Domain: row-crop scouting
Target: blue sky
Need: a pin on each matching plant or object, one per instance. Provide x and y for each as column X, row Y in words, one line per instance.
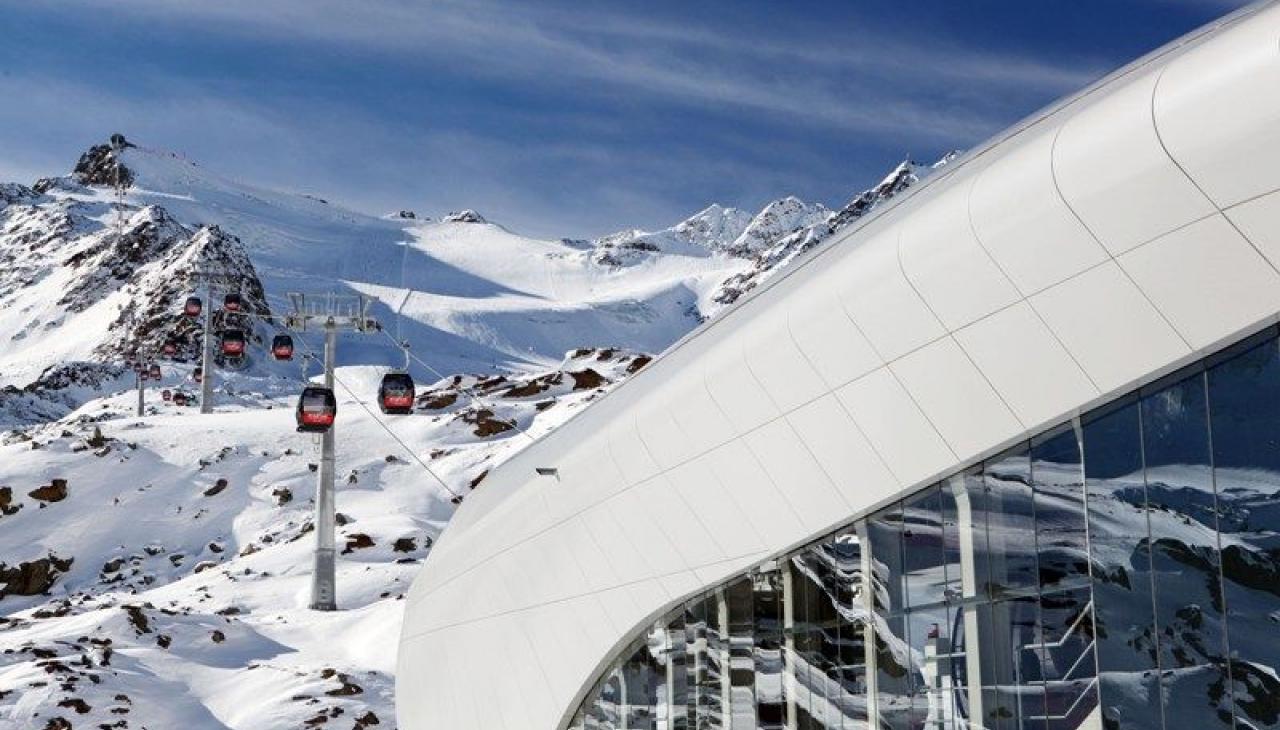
column 553, row 118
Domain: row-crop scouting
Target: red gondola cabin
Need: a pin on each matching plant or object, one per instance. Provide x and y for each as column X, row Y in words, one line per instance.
column 232, row 302
column 193, row 307
column 317, row 408
column 233, row 343
column 396, row 393
column 282, row 347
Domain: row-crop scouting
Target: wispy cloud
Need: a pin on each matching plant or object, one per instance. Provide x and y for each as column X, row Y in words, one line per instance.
column 872, row 83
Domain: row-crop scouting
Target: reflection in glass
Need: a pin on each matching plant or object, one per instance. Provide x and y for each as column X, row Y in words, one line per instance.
column 1061, row 536
column 1129, row 680
column 1118, row 571
column 1244, row 398
column 739, row 598
column 1183, row 514
column 767, row 633
column 1004, row 527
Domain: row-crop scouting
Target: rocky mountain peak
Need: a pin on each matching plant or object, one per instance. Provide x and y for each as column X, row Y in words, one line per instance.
column 776, row 220
column 102, row 165
column 714, row 226
column 464, row 216
column 815, row 226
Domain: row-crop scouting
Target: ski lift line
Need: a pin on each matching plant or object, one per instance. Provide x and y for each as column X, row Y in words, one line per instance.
column 469, row 393
column 393, row 435
column 308, row 355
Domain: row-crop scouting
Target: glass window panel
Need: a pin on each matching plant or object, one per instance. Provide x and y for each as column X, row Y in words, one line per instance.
column 1119, row 546
column 847, row 686
column 1013, row 686
column 1244, row 403
column 740, row 598
column 703, row 644
column 1183, row 516
column 1068, row 665
column 924, row 549
column 643, row 688
column 1061, row 533
column 768, row 653
column 930, row 631
column 678, row 678
column 1007, row 558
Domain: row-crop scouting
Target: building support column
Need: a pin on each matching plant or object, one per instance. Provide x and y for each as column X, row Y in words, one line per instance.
column 868, row 594
column 969, row 589
column 789, row 684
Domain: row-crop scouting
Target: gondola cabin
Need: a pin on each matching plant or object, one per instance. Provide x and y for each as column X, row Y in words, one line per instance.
column 153, row 372
column 179, row 398
column 282, row 347
column 232, row 302
column 198, row 374
column 193, row 307
column 166, row 395
column 396, row 393
column 170, row 348
column 317, row 408
column 233, row 343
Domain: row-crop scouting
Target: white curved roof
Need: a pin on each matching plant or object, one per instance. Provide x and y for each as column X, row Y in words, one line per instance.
column 1117, row 236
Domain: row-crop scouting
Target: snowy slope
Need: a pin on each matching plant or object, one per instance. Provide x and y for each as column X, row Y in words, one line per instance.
column 154, row 570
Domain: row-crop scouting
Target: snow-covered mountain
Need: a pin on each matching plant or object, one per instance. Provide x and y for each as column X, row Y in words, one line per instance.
column 154, row 570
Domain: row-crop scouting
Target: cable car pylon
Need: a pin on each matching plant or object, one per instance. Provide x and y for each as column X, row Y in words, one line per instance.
column 316, row 410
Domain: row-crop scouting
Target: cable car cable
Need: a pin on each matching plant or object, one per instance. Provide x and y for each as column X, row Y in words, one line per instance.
column 393, row 435
column 522, row 431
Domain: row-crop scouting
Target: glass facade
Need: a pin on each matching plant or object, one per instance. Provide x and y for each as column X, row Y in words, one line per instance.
column 1119, row 571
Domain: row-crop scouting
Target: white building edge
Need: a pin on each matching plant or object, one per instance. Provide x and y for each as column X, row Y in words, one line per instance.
column 1112, row 239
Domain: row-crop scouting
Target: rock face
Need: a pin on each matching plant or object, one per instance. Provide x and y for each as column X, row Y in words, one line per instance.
column 464, row 216
column 816, row 227
column 32, row 578
column 101, row 165
column 55, row 491
column 114, row 275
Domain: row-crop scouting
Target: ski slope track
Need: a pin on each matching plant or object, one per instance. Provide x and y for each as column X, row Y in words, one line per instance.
column 155, row 569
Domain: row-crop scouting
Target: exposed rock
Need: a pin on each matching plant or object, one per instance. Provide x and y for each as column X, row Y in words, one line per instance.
column 283, row 495
column 6, row 501
column 485, row 424
column 436, row 402
column 75, row 703
column 138, row 619
column 464, row 216
column 587, row 379
column 404, row 545
column 32, row 578
column 217, row 488
column 638, row 363
column 101, row 165
column 357, row 541
column 55, row 491
column 217, row 636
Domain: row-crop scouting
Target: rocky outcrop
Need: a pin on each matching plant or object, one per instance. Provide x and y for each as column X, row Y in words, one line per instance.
column 464, row 216
column 32, row 578
column 785, row 248
column 55, row 491
column 101, row 165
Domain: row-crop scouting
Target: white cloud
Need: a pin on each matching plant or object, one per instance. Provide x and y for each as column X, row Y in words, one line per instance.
column 870, row 84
